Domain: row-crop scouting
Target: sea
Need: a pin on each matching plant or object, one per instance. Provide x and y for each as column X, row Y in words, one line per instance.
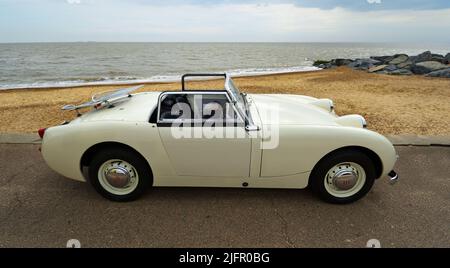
column 43, row 65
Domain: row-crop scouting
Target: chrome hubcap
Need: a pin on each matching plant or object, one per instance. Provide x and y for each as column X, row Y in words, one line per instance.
column 345, row 179
column 118, row 177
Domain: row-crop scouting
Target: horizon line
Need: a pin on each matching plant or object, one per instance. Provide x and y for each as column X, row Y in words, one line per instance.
column 250, row 42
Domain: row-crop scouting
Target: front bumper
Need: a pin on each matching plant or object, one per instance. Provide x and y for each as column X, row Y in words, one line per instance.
column 393, row 177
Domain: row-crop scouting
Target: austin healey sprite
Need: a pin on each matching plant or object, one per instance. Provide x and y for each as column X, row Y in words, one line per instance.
column 125, row 143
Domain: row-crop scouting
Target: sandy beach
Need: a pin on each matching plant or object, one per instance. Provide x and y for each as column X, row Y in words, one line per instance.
column 391, row 104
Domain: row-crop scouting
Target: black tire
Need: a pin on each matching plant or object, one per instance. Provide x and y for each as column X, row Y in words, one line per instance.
column 317, row 178
column 139, row 163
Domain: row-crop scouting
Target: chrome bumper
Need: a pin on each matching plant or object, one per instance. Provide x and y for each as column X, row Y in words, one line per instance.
column 393, row 177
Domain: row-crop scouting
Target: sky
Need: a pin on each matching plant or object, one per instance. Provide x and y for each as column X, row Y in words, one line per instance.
column 225, row 21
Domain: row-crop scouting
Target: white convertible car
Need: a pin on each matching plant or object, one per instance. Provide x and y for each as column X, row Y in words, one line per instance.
column 217, row 138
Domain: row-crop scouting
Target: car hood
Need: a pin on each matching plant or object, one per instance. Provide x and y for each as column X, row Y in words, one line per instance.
column 292, row 110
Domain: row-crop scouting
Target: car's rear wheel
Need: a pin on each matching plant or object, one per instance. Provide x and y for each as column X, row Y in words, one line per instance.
column 119, row 174
column 343, row 177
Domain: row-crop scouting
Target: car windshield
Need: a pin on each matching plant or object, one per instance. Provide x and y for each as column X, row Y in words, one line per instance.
column 239, row 100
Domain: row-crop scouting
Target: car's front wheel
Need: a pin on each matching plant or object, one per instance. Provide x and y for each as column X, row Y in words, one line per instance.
column 343, row 177
column 119, row 174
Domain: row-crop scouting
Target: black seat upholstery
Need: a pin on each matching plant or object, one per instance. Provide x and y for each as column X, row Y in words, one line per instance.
column 168, row 104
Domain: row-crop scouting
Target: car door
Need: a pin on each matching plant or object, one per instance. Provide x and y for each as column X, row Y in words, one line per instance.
column 201, row 140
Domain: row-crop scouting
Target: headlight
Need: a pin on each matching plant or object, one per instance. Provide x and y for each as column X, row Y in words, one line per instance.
column 325, row 104
column 352, row 120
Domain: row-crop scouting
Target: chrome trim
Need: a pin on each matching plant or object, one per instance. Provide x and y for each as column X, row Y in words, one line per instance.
column 118, row 177
column 345, row 180
column 393, row 177
column 252, row 128
column 331, row 106
column 109, row 97
column 243, row 116
column 228, row 81
column 183, row 78
column 364, row 122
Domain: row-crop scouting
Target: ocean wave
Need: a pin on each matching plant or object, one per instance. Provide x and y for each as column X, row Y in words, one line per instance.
column 123, row 80
column 265, row 71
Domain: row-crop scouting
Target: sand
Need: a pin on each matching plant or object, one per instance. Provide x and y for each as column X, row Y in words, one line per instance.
column 391, row 104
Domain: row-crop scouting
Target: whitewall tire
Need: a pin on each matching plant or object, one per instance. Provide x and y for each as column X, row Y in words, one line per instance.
column 119, row 174
column 343, row 177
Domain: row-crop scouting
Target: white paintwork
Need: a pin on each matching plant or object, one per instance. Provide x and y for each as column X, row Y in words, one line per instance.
column 208, row 157
column 136, row 109
column 307, row 132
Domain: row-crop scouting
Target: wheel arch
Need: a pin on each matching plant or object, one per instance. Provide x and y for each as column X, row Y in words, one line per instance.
column 90, row 153
column 376, row 160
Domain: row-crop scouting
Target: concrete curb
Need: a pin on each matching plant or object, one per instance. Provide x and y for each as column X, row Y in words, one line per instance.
column 419, row 140
column 398, row 140
column 19, row 138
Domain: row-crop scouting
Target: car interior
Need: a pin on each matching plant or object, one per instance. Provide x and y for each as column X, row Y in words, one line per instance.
column 190, row 106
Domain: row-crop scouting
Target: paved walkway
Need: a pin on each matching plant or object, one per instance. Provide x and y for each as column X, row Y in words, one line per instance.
column 39, row 208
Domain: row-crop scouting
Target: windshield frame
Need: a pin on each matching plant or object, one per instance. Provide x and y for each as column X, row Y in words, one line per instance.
column 240, row 102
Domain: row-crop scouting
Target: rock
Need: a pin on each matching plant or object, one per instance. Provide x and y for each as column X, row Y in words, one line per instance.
column 363, row 64
column 416, row 69
column 399, row 59
column 405, row 65
column 428, row 56
column 438, row 58
column 341, row 62
column 447, row 58
column 372, row 61
column 425, row 56
column 401, row 72
column 355, row 64
column 317, row 63
column 427, row 67
column 383, row 59
column 440, row 73
column 390, row 68
column 382, row 72
column 378, row 68
column 325, row 66
column 399, row 64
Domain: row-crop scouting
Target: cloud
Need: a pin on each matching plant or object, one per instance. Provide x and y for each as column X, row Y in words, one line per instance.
column 279, row 21
column 74, row 2
column 322, row 4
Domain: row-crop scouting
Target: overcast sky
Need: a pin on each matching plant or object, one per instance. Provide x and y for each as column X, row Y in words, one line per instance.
column 225, row 20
